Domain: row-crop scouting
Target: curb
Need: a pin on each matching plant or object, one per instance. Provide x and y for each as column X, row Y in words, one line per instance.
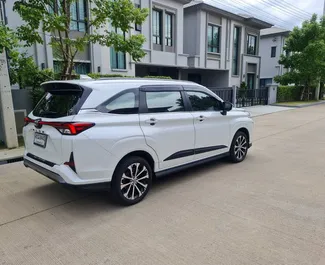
column 299, row 106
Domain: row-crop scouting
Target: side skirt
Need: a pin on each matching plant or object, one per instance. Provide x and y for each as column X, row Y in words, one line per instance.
column 189, row 165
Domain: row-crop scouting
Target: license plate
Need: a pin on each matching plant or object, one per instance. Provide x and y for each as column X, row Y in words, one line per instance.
column 40, row 139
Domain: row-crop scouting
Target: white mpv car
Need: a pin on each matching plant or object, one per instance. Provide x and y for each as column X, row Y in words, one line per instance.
column 124, row 132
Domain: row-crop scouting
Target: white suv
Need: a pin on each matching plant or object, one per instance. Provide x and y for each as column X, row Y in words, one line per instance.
column 124, row 132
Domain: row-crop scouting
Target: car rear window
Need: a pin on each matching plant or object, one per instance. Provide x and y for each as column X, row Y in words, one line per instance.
column 58, row 102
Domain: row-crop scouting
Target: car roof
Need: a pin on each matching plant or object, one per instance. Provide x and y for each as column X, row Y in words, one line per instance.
column 134, row 81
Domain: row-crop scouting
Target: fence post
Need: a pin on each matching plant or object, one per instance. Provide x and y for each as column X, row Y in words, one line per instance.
column 271, row 93
column 234, row 95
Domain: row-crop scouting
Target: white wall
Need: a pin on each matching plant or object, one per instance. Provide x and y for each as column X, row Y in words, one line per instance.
column 270, row 66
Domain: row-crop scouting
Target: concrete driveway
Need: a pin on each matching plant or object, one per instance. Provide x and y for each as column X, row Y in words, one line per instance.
column 267, row 210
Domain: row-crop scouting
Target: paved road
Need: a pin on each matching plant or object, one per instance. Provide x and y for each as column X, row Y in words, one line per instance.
column 267, row 210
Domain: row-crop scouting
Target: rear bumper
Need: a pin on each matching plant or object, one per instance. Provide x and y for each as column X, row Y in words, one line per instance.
column 47, row 173
column 62, row 174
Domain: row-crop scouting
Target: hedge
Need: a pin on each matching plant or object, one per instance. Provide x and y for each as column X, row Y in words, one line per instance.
column 288, row 93
column 97, row 76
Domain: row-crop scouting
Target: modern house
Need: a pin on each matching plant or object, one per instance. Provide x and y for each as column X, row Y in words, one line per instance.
column 222, row 47
column 185, row 39
column 271, row 47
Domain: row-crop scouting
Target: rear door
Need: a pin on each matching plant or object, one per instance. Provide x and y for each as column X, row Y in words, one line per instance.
column 167, row 124
column 61, row 103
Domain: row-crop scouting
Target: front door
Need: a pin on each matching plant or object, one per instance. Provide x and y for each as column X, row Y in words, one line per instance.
column 212, row 129
column 168, row 128
column 251, row 81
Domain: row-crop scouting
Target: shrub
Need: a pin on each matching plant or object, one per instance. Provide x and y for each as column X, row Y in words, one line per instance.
column 288, row 93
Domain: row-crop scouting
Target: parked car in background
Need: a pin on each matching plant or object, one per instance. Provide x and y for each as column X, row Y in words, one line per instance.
column 124, row 132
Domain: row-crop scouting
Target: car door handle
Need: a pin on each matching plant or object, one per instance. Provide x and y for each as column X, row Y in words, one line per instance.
column 201, row 118
column 151, row 121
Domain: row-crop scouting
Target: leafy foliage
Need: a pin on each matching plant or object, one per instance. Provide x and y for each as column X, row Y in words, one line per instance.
column 288, row 93
column 54, row 17
column 305, row 55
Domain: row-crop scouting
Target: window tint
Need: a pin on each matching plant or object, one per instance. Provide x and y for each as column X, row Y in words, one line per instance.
column 203, row 102
column 273, row 52
column 56, row 104
column 124, row 104
column 164, row 101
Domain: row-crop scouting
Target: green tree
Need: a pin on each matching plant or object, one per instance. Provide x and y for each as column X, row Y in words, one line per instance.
column 305, row 56
column 55, row 17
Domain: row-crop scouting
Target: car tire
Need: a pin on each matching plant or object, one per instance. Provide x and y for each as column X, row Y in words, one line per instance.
column 131, row 181
column 239, row 147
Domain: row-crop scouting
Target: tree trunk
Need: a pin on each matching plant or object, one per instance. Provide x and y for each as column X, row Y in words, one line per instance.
column 302, row 93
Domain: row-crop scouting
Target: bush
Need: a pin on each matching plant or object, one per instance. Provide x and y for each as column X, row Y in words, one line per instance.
column 288, row 93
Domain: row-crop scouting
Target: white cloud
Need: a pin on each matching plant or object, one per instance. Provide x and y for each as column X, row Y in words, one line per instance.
column 282, row 13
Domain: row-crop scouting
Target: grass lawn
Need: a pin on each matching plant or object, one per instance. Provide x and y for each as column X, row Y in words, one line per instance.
column 20, row 142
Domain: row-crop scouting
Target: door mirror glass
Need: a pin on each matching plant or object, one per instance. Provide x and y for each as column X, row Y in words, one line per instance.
column 227, row 106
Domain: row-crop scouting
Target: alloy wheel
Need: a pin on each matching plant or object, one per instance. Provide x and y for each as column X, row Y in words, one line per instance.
column 134, row 181
column 241, row 147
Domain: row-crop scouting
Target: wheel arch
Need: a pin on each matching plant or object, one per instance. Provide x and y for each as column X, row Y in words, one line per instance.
column 140, row 153
column 244, row 130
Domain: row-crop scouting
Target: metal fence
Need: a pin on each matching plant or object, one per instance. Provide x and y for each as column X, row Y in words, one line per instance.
column 251, row 97
column 225, row 93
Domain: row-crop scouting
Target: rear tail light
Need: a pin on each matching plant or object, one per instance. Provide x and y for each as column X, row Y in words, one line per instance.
column 28, row 120
column 65, row 128
column 73, row 128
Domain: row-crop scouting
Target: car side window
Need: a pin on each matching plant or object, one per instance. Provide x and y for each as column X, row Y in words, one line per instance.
column 203, row 102
column 124, row 104
column 164, row 101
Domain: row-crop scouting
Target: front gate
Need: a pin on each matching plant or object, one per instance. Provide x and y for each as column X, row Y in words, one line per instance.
column 251, row 97
column 225, row 93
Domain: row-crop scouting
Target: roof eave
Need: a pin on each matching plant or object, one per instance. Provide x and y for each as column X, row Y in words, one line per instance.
column 254, row 22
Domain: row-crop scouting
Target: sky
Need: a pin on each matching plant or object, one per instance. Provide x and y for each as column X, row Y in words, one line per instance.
column 282, row 13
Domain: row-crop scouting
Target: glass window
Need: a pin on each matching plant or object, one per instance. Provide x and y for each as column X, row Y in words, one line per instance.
column 273, row 52
column 124, row 104
column 213, row 38
column 78, row 15
column 251, row 44
column 164, row 101
column 169, row 30
column 137, row 26
column 118, row 59
column 235, row 52
column 156, row 26
column 203, row 102
column 56, row 104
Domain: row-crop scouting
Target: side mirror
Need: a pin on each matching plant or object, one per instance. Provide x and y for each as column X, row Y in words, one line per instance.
column 226, row 106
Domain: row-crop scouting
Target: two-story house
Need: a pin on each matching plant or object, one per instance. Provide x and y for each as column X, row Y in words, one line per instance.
column 271, row 47
column 222, row 47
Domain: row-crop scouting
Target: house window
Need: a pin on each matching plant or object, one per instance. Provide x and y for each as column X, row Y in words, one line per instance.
column 118, row 59
column 251, row 44
column 273, row 52
column 2, row 19
column 80, row 68
column 157, row 26
column 169, row 30
column 213, row 38
column 78, row 15
column 235, row 52
column 138, row 5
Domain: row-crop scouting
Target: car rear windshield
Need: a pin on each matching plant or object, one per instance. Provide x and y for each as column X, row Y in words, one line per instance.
column 59, row 101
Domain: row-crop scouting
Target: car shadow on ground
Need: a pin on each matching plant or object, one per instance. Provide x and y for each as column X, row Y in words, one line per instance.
column 85, row 204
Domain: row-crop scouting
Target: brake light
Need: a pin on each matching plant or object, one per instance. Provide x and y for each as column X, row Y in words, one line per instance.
column 72, row 128
column 28, row 120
